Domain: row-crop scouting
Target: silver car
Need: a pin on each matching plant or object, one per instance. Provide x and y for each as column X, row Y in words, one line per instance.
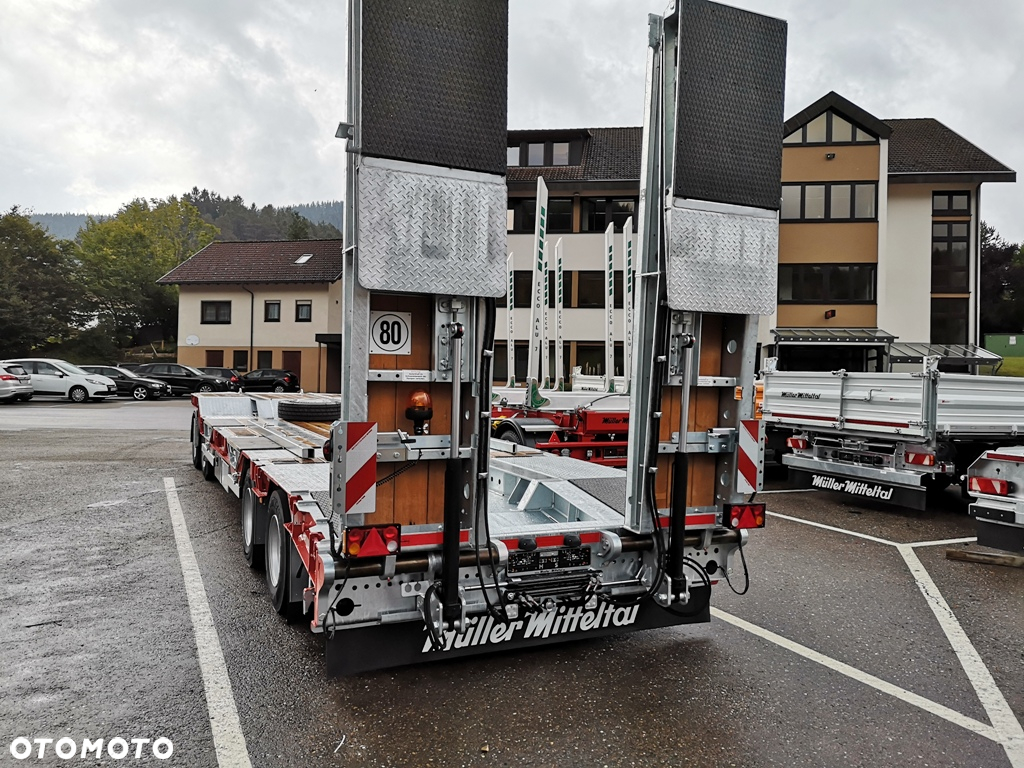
column 15, row 383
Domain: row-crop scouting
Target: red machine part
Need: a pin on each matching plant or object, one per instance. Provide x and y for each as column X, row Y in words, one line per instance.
column 305, row 539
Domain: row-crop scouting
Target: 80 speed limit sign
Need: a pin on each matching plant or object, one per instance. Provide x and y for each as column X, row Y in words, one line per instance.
column 390, row 333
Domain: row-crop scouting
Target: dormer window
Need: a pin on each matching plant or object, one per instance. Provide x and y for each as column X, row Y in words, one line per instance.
column 829, row 128
column 304, row 258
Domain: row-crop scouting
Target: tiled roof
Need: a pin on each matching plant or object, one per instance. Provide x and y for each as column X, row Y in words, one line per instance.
column 260, row 262
column 924, row 145
column 609, row 154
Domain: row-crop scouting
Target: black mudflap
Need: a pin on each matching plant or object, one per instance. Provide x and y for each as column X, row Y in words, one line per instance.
column 1009, row 538
column 363, row 649
column 872, row 490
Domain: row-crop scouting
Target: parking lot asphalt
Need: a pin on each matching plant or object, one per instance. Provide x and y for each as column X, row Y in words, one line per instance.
column 857, row 644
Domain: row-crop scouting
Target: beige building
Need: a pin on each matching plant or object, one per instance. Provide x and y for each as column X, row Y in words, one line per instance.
column 879, row 235
column 263, row 305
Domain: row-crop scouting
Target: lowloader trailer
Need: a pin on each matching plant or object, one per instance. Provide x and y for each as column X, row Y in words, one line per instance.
column 387, row 517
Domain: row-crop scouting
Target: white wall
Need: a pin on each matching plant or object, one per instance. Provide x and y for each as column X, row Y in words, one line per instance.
column 905, row 270
column 287, row 332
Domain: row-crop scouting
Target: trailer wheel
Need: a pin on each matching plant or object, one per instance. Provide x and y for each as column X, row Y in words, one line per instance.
column 251, row 518
column 511, row 432
column 278, row 557
column 300, row 410
column 197, row 444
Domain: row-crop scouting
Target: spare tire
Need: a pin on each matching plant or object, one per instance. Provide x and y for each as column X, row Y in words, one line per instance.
column 308, row 410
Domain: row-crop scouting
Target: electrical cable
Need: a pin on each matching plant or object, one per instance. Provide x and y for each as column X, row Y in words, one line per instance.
column 746, row 573
column 401, row 470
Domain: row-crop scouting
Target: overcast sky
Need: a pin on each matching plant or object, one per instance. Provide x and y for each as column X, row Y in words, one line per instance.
column 102, row 101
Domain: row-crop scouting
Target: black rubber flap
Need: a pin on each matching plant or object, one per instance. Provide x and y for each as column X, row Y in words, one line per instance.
column 731, row 90
column 435, row 82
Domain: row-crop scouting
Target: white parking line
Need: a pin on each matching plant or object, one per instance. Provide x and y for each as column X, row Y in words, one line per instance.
column 228, row 740
column 1006, row 728
column 1011, row 735
column 982, row 729
column 829, row 528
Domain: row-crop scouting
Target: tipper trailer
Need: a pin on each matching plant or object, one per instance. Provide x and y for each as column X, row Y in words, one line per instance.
column 387, row 516
column 893, row 436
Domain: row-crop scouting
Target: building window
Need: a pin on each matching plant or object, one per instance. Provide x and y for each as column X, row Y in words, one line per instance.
column 272, row 311
column 826, row 283
column 513, row 155
column 829, row 128
column 522, row 214
column 560, row 153
column 303, row 311
column 559, row 215
column 535, row 154
column 240, row 360
column 949, row 321
column 597, row 212
column 215, row 312
column 950, row 257
column 951, row 203
column 590, row 290
column 265, row 358
column 839, row 201
column 524, row 288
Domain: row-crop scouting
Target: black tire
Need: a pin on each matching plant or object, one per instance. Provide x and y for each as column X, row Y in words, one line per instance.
column 140, row 392
column 300, row 410
column 251, row 507
column 197, row 444
column 514, row 434
column 78, row 394
column 278, row 558
column 279, row 387
column 205, row 388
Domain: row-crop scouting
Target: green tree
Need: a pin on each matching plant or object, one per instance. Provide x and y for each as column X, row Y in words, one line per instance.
column 1002, row 284
column 298, row 228
column 41, row 300
column 122, row 257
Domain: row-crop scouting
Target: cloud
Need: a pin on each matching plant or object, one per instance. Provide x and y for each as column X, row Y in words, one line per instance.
column 113, row 99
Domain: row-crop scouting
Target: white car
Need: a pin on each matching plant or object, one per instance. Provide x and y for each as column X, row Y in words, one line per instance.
column 59, row 377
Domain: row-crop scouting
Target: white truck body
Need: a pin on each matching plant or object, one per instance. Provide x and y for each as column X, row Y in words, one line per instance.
column 890, row 436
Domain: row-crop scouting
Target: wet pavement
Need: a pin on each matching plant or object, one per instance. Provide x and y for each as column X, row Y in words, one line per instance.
column 834, row 657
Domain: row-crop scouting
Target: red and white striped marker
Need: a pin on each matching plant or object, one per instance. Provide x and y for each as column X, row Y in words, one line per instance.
column 750, row 456
column 359, row 464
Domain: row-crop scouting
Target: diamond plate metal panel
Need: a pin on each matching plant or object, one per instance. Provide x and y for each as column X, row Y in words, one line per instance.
column 722, row 261
column 426, row 233
column 729, row 111
column 435, row 82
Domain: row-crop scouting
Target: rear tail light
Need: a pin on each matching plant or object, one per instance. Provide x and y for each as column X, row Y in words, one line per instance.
column 329, row 449
column 373, row 541
column 800, row 443
column 989, row 485
column 920, row 459
column 741, row 516
column 7, row 377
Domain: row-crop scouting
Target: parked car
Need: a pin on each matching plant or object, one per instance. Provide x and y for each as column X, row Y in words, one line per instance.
column 183, row 379
column 269, row 380
column 15, row 383
column 59, row 377
column 129, row 383
column 129, row 366
column 225, row 373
